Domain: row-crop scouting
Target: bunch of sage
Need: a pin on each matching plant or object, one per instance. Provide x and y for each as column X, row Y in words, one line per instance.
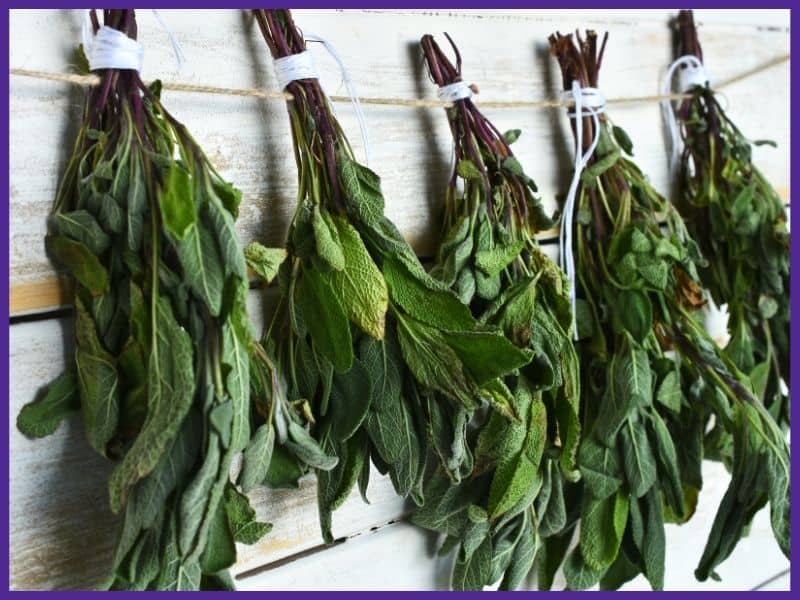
column 367, row 342
column 496, row 504
column 145, row 226
column 652, row 378
column 739, row 222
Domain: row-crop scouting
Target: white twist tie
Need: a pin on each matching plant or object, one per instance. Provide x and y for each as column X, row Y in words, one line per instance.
column 453, row 92
column 691, row 72
column 588, row 102
column 293, row 67
column 301, row 66
column 112, row 49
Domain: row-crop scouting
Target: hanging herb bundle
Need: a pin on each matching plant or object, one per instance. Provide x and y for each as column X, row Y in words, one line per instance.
column 145, row 226
column 380, row 353
column 652, row 378
column 739, row 222
column 511, row 492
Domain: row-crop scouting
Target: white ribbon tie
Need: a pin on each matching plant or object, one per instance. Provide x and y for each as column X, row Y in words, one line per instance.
column 301, row 66
column 691, row 72
column 588, row 102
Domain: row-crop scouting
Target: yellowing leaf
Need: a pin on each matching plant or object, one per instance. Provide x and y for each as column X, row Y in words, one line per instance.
column 360, row 287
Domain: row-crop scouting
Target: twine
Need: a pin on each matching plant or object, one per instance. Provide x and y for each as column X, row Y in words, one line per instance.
column 90, row 80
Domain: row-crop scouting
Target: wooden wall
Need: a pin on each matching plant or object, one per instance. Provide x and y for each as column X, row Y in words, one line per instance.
column 61, row 529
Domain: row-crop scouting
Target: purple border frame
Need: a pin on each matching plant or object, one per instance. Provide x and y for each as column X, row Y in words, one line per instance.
column 430, row 4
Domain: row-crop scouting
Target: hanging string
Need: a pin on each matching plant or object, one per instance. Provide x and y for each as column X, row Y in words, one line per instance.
column 691, row 72
column 588, row 102
column 301, row 66
column 91, row 80
column 177, row 50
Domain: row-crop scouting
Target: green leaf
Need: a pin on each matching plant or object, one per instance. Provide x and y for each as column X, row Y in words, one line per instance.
column 512, row 135
column 578, row 573
column 176, row 574
column 97, row 380
column 257, row 457
column 742, row 204
column 335, row 485
column 600, row 468
column 553, row 515
column 202, row 264
column 359, row 287
column 178, row 210
column 630, row 387
column 635, row 313
column 42, row 416
column 669, row 471
column 199, row 500
column 467, row 169
column 326, row 237
column 493, row 261
column 512, row 165
column 473, row 348
column 433, row 362
column 350, row 401
column 517, row 474
column 224, row 227
column 284, row 470
column 363, row 190
column 654, row 543
column 241, row 518
column 446, row 508
column 229, row 195
column 424, row 298
column 150, row 495
column 669, row 392
column 81, row 226
column 137, row 203
column 638, row 460
column 170, row 390
column 390, row 421
column 601, row 165
column 522, row 559
column 472, row 572
column 454, row 252
column 621, row 137
column 306, row 448
column 82, row 263
column 264, row 261
column 220, row 550
column 619, row 573
column 325, row 318
column 602, row 525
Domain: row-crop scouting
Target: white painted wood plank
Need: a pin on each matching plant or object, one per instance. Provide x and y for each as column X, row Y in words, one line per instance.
column 248, row 139
column 402, row 557
column 396, row 557
column 779, row 583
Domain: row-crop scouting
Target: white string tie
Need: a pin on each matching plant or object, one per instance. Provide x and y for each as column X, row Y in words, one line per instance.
column 301, row 66
column 112, row 49
column 177, row 50
column 691, row 72
column 588, row 102
column 453, row 92
column 295, row 66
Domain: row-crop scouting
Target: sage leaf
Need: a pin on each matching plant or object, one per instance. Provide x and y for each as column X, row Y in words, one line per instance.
column 42, row 416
